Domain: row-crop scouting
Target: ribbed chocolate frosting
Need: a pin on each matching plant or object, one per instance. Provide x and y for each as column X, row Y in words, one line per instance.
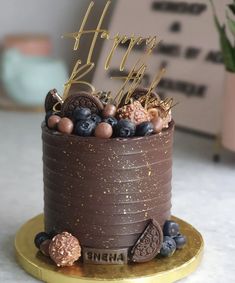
column 104, row 191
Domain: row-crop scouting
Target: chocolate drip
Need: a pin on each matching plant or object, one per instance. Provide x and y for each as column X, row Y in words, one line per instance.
column 105, row 191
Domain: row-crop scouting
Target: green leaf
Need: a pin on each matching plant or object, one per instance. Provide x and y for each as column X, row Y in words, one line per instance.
column 228, row 50
column 216, row 20
column 231, row 24
column 232, row 8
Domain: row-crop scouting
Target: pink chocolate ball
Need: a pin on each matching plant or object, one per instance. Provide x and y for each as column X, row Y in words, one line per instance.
column 103, row 131
column 44, row 247
column 157, row 125
column 109, row 111
column 65, row 126
column 153, row 113
column 53, row 121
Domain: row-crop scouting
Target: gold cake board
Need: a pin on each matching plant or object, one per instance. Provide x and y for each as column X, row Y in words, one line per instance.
column 162, row 270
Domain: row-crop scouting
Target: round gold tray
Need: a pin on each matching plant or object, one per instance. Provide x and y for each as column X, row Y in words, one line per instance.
column 160, row 270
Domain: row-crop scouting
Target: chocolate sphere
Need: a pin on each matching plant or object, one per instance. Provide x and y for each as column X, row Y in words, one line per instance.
column 153, row 113
column 44, row 247
column 53, row 121
column 157, row 125
column 104, row 131
column 65, row 126
column 109, row 110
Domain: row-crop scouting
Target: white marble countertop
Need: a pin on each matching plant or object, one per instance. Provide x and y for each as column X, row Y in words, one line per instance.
column 203, row 195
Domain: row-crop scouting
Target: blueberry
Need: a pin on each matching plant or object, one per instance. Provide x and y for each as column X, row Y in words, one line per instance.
column 170, row 228
column 52, row 234
column 96, row 118
column 40, row 238
column 111, row 121
column 81, row 114
column 85, row 128
column 144, row 129
column 180, row 241
column 125, row 129
column 168, row 247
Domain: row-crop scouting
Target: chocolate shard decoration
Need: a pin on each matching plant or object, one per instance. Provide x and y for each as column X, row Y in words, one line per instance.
column 149, row 243
column 104, row 256
column 82, row 99
column 105, row 97
column 139, row 93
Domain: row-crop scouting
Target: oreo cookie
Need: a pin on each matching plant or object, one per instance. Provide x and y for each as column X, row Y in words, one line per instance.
column 83, row 100
column 51, row 100
column 149, row 243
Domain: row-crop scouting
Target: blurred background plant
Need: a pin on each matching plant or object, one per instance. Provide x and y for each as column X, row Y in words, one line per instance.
column 228, row 49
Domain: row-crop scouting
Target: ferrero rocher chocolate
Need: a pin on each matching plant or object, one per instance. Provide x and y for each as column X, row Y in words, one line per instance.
column 134, row 112
column 64, row 249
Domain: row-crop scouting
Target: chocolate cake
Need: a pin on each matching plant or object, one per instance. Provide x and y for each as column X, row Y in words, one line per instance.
column 104, row 191
column 113, row 194
column 107, row 165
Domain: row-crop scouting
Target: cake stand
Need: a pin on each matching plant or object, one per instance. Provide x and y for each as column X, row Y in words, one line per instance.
column 161, row 270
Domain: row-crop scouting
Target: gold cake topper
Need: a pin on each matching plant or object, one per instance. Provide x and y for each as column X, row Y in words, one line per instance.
column 136, row 74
